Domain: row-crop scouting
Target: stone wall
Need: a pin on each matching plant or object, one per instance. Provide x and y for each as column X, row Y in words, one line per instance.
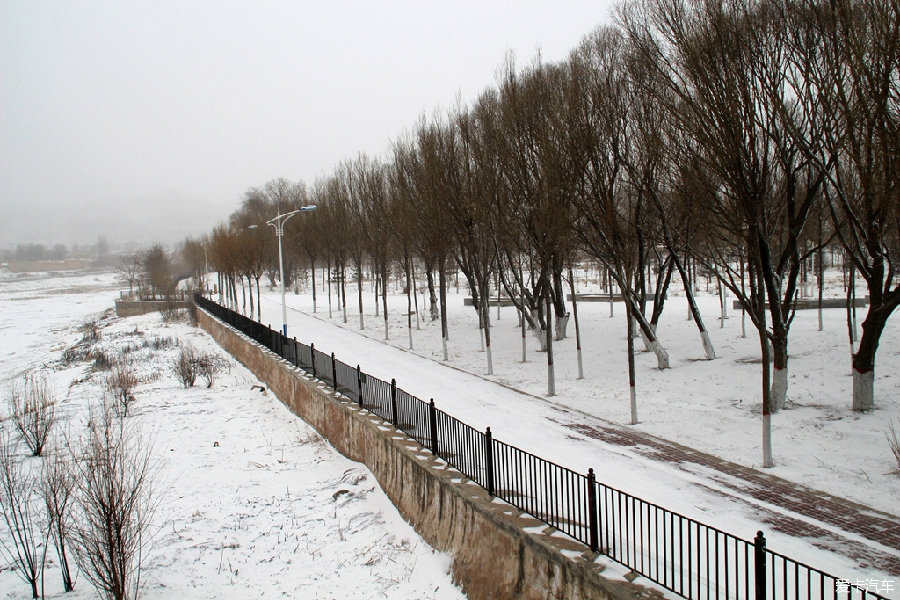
column 494, row 558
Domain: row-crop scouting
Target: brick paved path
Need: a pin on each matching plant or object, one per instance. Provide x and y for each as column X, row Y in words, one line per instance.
column 769, row 493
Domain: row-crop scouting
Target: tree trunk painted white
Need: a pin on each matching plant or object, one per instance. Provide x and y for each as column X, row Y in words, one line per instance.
column 385, row 325
column 410, row 338
column 633, row 394
column 662, row 357
column 743, row 323
column 707, row 346
column 362, row 324
column 524, row 343
column 444, row 345
column 863, row 390
column 541, row 335
column 562, row 324
column 490, row 361
column 481, row 337
column 779, row 387
column 768, row 461
column 644, row 338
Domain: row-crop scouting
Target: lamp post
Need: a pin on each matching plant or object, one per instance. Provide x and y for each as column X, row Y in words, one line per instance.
column 278, row 224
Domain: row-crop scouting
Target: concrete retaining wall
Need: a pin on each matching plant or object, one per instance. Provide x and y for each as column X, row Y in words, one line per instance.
column 133, row 308
column 493, row 556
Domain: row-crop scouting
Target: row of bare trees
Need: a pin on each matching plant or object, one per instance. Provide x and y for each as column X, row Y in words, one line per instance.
column 741, row 136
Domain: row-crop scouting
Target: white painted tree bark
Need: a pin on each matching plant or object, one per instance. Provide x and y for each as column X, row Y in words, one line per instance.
column 768, row 460
column 634, row 414
column 707, row 345
column 662, row 357
column 779, row 387
column 863, row 390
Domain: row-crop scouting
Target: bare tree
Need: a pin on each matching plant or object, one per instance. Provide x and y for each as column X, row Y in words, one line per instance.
column 21, row 514
column 121, row 381
column 58, row 491
column 846, row 56
column 130, row 270
column 117, row 499
column 33, row 410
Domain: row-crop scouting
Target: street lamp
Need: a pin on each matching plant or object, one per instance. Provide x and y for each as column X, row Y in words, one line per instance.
column 278, row 224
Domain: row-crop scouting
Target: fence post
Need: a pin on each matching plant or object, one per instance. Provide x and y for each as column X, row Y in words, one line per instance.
column 489, row 460
column 271, row 337
column 394, row 402
column 432, row 413
column 359, row 396
column 592, row 511
column 759, row 554
column 333, row 373
column 312, row 354
column 296, row 354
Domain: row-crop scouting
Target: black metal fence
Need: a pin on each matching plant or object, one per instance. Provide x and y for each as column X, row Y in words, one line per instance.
column 691, row 559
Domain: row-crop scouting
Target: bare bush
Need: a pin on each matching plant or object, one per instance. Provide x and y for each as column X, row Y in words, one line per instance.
column 208, row 366
column 172, row 312
column 116, row 498
column 58, row 490
column 33, row 410
column 894, row 443
column 185, row 366
column 121, row 381
column 22, row 516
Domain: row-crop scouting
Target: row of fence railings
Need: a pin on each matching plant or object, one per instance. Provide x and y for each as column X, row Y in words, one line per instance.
column 693, row 560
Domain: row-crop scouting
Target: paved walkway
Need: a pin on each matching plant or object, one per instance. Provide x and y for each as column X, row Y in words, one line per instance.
column 825, row 521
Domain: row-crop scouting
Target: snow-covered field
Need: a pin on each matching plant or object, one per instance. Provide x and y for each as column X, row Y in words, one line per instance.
column 254, row 504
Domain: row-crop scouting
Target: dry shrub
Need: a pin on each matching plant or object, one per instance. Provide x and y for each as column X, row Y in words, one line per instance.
column 26, row 523
column 116, row 499
column 121, row 381
column 894, row 444
column 185, row 366
column 33, row 410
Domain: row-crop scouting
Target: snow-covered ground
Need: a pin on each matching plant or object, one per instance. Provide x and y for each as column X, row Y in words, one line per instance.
column 254, row 503
column 713, row 406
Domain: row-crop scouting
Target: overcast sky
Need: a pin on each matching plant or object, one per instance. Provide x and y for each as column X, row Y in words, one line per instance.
column 147, row 121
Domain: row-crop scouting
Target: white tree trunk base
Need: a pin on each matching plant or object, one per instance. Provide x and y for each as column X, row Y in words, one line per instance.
column 863, row 390
column 662, row 357
column 410, row 338
column 551, row 380
column 541, row 336
column 444, row 344
column 490, row 361
column 580, row 365
column 707, row 346
column 768, row 461
column 362, row 325
column 779, row 388
column 562, row 324
column 633, row 395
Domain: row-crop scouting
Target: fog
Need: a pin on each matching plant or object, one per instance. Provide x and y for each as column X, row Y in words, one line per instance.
column 147, row 121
